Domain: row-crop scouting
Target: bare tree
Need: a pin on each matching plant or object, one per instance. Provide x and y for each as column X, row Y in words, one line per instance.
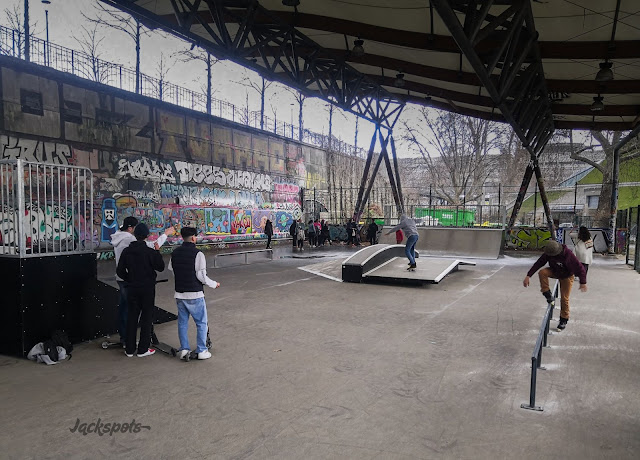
column 607, row 140
column 15, row 19
column 91, row 45
column 199, row 54
column 261, row 87
column 455, row 149
column 300, row 100
column 331, row 110
column 162, row 70
column 119, row 20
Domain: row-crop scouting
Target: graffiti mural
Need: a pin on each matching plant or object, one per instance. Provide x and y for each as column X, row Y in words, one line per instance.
column 109, row 223
column 528, row 238
column 240, row 221
column 45, row 225
column 15, row 148
column 217, row 221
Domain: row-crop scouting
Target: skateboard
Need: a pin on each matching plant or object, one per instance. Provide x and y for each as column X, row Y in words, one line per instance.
column 161, row 346
column 193, row 354
column 109, row 344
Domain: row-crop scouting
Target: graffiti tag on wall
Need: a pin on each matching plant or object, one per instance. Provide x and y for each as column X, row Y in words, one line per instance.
column 528, row 238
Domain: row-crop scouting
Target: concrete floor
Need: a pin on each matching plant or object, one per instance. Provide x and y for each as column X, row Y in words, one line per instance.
column 305, row 367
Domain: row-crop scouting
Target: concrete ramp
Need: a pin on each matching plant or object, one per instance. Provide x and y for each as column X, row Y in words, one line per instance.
column 368, row 258
column 430, row 270
column 468, row 243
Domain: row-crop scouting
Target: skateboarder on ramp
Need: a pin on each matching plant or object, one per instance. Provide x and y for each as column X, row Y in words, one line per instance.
column 408, row 226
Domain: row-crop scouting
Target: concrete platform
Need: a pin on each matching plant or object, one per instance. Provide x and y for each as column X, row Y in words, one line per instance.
column 429, row 270
column 307, row 368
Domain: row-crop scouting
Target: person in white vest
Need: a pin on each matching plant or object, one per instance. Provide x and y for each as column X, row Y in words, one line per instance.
column 584, row 248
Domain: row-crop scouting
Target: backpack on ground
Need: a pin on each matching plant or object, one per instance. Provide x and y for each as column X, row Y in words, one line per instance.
column 61, row 339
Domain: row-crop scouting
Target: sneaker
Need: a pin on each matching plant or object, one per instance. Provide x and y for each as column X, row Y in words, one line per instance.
column 149, row 352
column 412, row 267
column 563, row 323
column 128, row 355
column 183, row 353
column 204, row 354
column 547, row 295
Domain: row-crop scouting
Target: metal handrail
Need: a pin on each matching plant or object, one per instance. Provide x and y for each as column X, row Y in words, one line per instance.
column 536, row 356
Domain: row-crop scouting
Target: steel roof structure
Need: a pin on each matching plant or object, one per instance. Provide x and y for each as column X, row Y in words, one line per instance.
column 536, row 64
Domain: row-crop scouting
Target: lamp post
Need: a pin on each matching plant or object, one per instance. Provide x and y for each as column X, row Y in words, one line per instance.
column 46, row 16
column 27, row 39
column 26, row 31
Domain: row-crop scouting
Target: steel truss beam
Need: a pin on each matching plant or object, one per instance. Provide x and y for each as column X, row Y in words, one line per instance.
column 241, row 29
column 366, row 184
column 518, row 88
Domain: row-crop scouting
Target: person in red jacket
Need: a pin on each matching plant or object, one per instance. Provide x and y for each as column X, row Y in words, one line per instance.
column 563, row 265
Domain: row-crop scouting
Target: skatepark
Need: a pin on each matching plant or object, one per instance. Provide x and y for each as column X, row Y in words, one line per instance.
column 307, row 367
column 490, row 132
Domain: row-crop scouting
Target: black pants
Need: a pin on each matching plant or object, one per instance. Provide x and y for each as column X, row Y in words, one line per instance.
column 268, row 241
column 141, row 303
column 295, row 241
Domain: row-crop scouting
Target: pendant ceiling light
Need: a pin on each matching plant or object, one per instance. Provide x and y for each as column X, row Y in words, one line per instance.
column 358, row 49
column 399, row 81
column 605, row 73
column 597, row 105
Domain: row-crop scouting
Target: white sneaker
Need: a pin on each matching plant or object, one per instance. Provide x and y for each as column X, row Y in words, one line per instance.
column 149, row 352
column 128, row 355
column 204, row 354
column 183, row 353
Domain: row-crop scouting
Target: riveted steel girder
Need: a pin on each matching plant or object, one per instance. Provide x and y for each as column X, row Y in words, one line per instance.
column 512, row 74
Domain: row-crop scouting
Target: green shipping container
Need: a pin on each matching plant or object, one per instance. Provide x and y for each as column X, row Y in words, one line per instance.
column 447, row 217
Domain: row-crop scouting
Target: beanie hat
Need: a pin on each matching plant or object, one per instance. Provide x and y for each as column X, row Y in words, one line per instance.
column 553, row 248
column 141, row 231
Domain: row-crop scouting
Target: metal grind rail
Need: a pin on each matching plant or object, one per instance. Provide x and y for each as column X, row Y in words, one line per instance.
column 536, row 356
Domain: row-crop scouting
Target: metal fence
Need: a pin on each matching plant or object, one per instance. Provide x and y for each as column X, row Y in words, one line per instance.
column 45, row 209
column 633, row 235
column 536, row 356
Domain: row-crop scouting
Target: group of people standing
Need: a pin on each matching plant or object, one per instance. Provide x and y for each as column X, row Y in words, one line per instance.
column 137, row 263
column 316, row 232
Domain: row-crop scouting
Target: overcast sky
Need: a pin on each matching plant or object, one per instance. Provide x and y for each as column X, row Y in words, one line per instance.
column 66, row 20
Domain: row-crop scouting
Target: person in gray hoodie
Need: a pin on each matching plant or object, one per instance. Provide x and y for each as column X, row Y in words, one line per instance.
column 408, row 226
column 121, row 240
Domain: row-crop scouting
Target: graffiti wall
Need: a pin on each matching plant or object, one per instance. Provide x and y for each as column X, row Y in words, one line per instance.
column 537, row 238
column 165, row 166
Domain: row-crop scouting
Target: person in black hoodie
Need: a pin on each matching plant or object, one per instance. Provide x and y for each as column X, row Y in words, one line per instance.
column 137, row 267
column 293, row 231
column 268, row 230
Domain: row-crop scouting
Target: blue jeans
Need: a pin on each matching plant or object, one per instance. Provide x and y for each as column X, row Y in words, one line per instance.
column 123, row 308
column 410, row 248
column 197, row 308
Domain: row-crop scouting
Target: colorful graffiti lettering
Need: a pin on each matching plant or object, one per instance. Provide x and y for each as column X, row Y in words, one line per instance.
column 240, row 221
